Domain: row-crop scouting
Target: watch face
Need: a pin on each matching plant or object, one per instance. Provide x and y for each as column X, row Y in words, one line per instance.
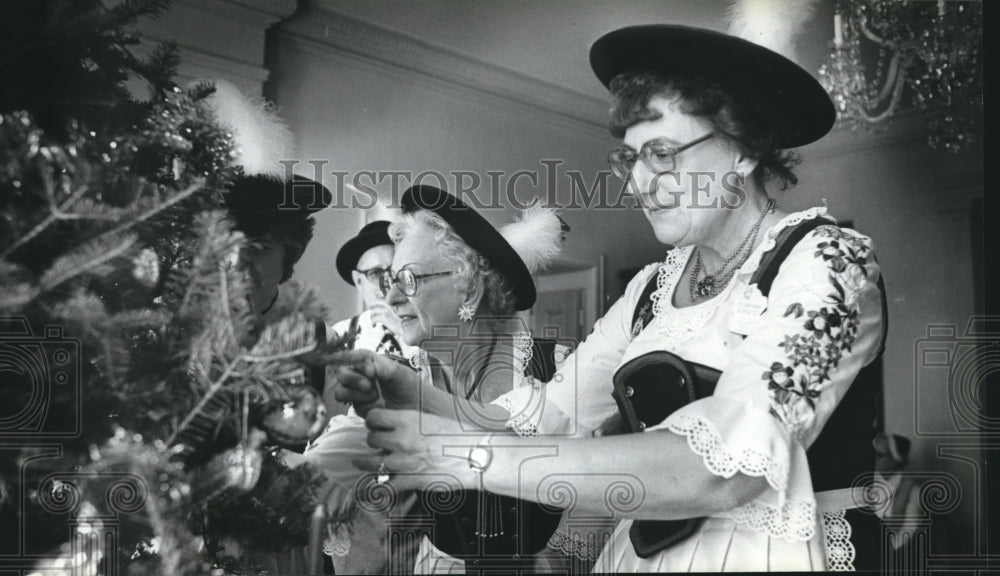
column 479, row 457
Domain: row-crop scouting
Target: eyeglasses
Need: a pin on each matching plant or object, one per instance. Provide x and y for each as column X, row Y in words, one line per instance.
column 655, row 154
column 406, row 280
column 374, row 275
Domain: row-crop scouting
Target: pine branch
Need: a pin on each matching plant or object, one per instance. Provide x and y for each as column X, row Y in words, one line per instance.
column 212, row 238
column 208, row 396
column 284, row 340
column 58, row 212
column 17, row 295
column 132, row 319
column 83, row 308
column 172, row 201
column 85, row 258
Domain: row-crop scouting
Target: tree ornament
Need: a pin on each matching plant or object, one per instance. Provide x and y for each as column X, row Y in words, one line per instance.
column 297, row 420
column 237, row 468
column 146, row 267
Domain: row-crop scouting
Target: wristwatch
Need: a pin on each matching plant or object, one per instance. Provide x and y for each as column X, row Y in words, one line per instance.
column 480, row 456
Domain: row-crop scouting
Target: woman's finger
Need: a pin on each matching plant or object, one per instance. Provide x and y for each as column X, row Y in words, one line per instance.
column 349, row 376
column 396, row 463
column 390, row 440
column 367, row 463
column 386, row 419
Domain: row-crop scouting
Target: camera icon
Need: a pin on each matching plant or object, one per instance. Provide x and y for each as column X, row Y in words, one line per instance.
column 951, row 370
column 488, row 363
column 40, row 395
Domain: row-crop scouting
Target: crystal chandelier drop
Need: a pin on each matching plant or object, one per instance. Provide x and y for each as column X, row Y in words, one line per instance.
column 929, row 50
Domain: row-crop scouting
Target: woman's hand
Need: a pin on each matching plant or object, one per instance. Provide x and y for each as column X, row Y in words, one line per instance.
column 368, row 380
column 420, row 451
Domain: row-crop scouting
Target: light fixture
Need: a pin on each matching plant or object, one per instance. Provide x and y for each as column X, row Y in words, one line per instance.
column 929, row 50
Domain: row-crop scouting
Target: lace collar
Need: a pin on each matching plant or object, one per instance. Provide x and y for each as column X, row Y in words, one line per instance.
column 522, row 346
column 789, row 221
column 680, row 324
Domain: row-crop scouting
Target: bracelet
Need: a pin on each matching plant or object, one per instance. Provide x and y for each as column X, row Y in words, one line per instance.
column 481, row 456
column 489, row 512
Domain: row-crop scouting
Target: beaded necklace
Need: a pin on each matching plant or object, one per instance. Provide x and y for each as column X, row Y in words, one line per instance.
column 712, row 284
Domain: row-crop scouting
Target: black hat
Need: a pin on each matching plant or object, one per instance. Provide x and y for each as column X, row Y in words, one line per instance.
column 789, row 98
column 373, row 234
column 267, row 195
column 257, row 202
column 479, row 234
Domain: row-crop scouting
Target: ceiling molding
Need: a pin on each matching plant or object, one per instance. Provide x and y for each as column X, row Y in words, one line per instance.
column 262, row 13
column 341, row 33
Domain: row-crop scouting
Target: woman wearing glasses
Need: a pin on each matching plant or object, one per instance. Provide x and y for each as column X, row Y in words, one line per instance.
column 456, row 283
column 720, row 409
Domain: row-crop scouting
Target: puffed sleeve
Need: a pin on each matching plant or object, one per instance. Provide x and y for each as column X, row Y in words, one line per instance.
column 822, row 324
column 578, row 397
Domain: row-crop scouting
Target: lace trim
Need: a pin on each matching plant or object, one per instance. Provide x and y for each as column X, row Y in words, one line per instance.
column 794, row 520
column 523, row 345
column 791, row 519
column 837, row 541
column 570, row 546
column 519, row 423
column 338, row 541
column 793, row 219
column 705, row 441
column 523, row 350
column 678, row 325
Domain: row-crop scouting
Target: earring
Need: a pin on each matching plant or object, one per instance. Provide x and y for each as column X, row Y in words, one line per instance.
column 466, row 312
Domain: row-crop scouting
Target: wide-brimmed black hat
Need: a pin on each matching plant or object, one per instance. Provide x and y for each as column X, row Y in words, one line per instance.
column 262, row 194
column 479, row 234
column 787, row 98
column 373, row 234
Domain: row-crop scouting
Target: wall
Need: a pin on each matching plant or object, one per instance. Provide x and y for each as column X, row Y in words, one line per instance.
column 358, row 105
column 915, row 204
column 217, row 38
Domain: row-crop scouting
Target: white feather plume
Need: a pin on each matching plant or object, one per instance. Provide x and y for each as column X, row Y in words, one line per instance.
column 536, row 237
column 260, row 137
column 773, row 24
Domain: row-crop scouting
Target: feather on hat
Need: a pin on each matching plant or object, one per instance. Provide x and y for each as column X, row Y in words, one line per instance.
column 261, row 139
column 536, row 237
column 773, row 24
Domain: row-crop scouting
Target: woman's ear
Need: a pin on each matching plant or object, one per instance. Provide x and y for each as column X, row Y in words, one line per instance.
column 474, row 294
column 744, row 165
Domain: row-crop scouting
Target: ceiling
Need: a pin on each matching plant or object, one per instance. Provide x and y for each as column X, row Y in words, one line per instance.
column 549, row 39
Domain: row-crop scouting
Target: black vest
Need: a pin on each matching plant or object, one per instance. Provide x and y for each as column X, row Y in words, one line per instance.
column 527, row 525
column 657, row 384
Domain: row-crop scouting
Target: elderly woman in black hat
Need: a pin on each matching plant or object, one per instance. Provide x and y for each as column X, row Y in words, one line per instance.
column 456, row 283
column 736, row 368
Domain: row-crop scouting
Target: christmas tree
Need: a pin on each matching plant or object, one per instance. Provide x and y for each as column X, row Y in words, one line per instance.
column 138, row 384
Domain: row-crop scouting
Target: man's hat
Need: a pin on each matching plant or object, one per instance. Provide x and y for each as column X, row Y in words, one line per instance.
column 785, row 96
column 373, row 234
column 530, row 243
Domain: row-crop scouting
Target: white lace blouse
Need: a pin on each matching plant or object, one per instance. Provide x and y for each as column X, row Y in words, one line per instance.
column 784, row 370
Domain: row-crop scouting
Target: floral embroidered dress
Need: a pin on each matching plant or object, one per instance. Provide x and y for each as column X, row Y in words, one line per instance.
column 783, row 374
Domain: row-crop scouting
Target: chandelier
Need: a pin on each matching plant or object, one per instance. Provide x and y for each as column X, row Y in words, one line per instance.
column 929, row 50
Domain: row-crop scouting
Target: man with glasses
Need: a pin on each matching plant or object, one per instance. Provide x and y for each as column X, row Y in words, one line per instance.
column 361, row 548
column 361, row 263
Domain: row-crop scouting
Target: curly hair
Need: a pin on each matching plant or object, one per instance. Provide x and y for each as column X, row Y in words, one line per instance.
column 293, row 232
column 471, row 267
column 746, row 126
